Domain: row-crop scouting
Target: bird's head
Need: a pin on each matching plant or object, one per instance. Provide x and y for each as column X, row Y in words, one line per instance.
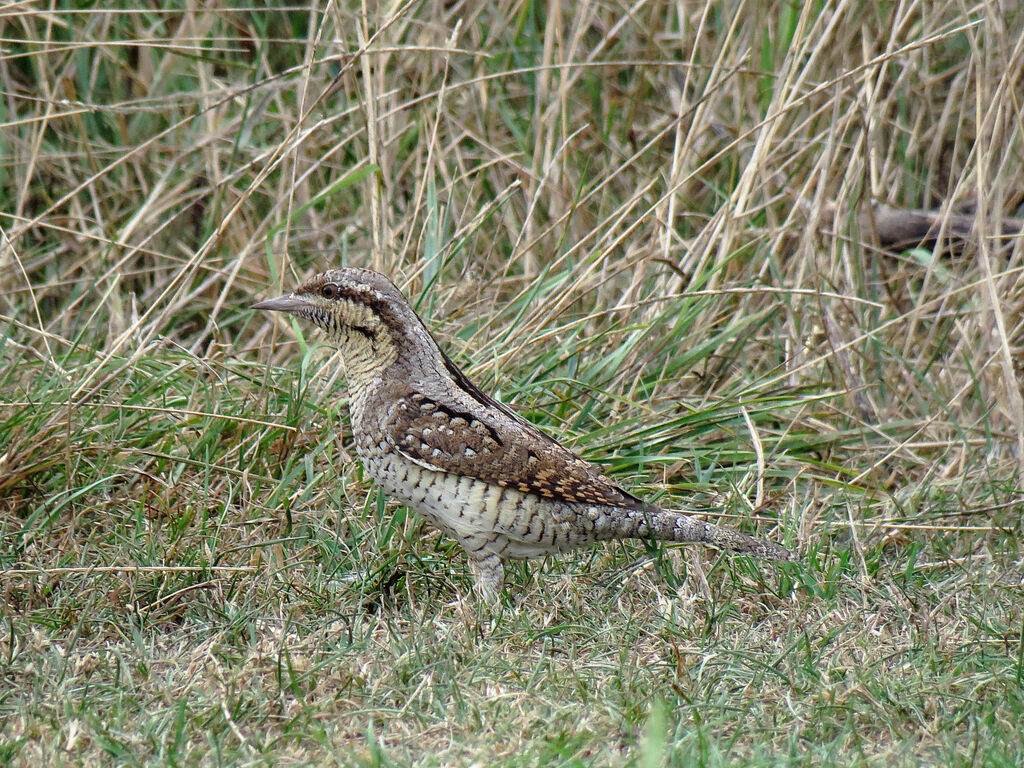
column 363, row 313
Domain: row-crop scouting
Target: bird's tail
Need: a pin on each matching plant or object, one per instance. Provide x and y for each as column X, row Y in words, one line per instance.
column 652, row 522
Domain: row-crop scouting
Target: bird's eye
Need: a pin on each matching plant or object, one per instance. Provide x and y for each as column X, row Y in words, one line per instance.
column 330, row 291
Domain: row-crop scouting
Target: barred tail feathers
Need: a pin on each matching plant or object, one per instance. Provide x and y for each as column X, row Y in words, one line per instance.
column 652, row 522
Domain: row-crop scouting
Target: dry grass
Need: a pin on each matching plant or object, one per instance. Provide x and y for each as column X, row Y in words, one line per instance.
column 649, row 227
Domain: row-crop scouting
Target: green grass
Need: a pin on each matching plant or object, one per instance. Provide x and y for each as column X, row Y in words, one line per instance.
column 645, row 227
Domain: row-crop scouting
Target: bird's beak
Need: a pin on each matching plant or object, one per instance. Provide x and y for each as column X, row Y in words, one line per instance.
column 287, row 303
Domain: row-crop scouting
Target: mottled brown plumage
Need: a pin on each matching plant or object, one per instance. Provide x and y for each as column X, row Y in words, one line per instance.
column 508, row 452
column 469, row 464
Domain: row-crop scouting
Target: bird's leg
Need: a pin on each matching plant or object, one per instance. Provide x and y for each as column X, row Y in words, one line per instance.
column 488, row 575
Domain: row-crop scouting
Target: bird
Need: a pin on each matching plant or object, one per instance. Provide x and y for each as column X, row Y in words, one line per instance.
column 467, row 463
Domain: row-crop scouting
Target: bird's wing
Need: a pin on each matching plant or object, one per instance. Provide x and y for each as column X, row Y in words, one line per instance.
column 494, row 444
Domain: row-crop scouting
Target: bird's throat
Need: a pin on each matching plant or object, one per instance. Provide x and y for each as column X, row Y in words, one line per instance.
column 365, row 356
